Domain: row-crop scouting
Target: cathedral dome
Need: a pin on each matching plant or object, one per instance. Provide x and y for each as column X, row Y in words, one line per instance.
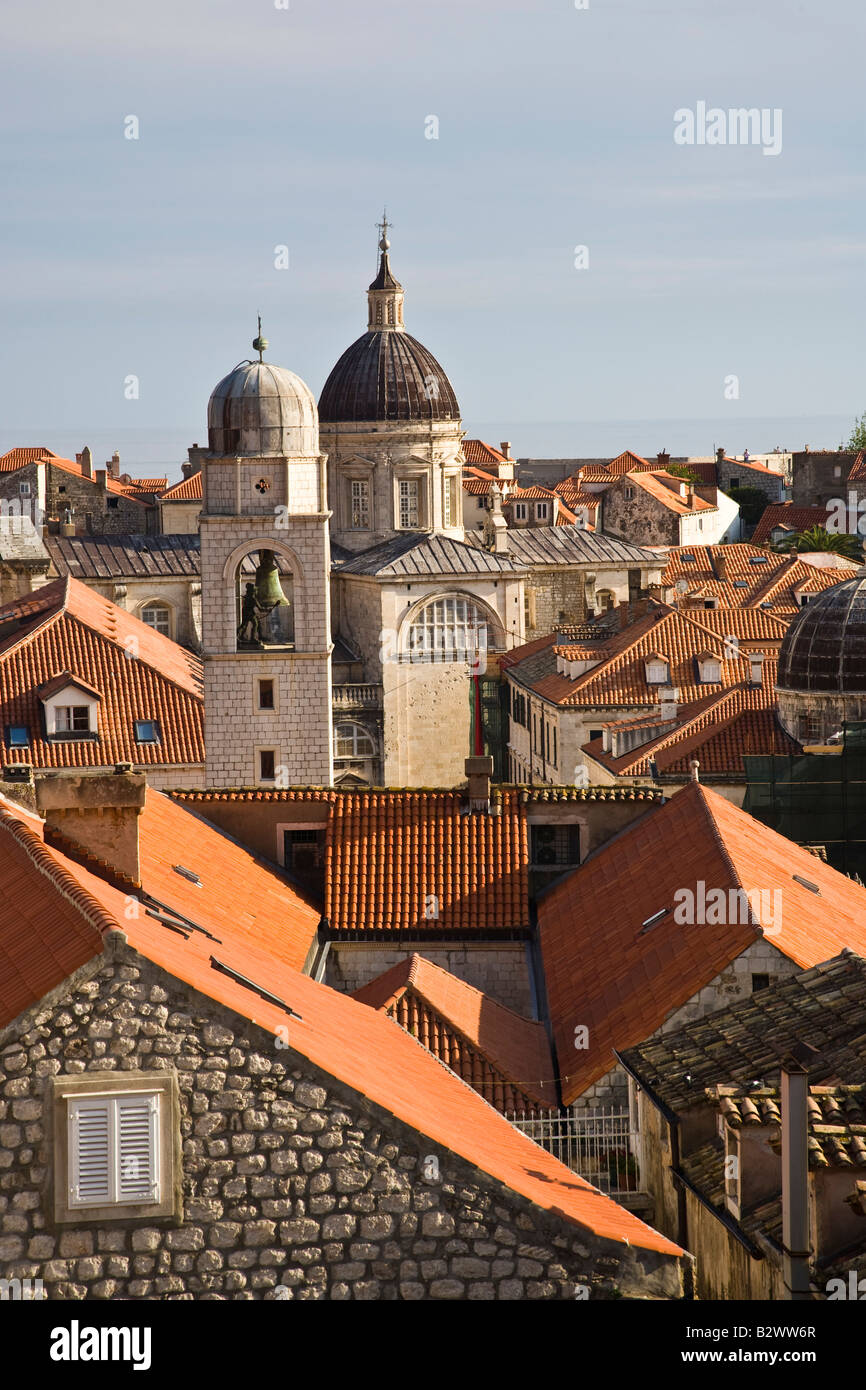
column 260, row 409
column 824, row 649
column 386, row 374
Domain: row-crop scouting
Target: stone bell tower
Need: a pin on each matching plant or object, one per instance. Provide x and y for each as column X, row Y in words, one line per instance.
column 265, row 571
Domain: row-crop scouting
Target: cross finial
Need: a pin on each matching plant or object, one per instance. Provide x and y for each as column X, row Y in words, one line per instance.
column 383, row 226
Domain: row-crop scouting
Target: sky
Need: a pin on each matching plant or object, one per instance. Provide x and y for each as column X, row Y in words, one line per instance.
column 717, row 298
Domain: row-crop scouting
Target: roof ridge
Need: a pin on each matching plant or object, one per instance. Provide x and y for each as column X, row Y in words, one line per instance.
column 43, row 860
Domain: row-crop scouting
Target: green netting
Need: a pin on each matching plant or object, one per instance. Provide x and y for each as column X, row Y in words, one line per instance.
column 816, row 798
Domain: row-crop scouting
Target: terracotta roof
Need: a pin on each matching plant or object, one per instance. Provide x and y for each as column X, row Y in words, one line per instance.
column 595, row 473
column 535, row 491
column 745, row 1042
column 787, row 517
column 505, row 1057
column 187, row 490
column 111, row 484
column 754, row 575
column 67, row 627
column 620, row 678
column 628, row 462
column 654, row 484
column 706, row 472
column 144, row 485
column 395, row 857
column 836, row 1116
column 354, row 1044
column 478, row 485
column 858, row 469
column 19, row 458
column 476, row 451
column 621, row 974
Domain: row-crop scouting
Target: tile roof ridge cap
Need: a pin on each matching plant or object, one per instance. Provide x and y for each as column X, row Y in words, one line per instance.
column 64, row 881
column 703, row 794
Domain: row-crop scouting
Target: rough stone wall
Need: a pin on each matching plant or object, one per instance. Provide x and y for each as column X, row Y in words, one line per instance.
column 499, row 969
column 559, row 597
column 815, row 477
column 772, row 485
column 91, row 512
column 643, row 520
column 291, row 1180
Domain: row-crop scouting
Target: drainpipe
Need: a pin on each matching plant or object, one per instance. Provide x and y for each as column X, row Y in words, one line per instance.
column 795, row 1171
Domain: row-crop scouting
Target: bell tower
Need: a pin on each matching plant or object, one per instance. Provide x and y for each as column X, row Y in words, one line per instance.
column 265, row 570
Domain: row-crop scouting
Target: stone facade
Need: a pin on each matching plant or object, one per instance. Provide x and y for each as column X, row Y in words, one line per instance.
column 293, row 1185
column 822, row 476
column 252, row 504
column 500, row 969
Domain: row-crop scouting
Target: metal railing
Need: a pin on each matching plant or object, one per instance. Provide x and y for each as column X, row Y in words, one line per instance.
column 601, row 1145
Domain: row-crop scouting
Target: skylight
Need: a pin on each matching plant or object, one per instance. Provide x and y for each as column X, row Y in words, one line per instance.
column 187, row 873
column 758, row 560
column 741, row 583
column 687, row 559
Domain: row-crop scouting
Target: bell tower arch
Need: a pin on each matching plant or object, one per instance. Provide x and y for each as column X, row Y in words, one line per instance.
column 265, row 568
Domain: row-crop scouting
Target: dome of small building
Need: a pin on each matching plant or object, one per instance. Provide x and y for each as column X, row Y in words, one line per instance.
column 824, row 649
column 260, row 409
column 386, row 374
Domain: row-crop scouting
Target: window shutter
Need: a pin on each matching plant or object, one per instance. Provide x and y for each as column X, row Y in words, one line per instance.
column 89, row 1152
column 137, row 1149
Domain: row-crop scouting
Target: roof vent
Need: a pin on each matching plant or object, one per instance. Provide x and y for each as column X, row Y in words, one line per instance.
column 806, row 883
column 187, row 873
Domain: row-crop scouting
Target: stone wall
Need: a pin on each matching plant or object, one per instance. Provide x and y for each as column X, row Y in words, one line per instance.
column 96, row 511
column 820, row 476
column 294, row 1185
column 499, row 969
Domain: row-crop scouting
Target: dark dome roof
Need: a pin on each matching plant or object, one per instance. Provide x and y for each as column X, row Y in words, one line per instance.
column 824, row 649
column 387, row 375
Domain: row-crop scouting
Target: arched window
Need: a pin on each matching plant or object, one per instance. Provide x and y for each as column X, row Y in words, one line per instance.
column 157, row 616
column 353, row 741
column 450, row 628
column 605, row 600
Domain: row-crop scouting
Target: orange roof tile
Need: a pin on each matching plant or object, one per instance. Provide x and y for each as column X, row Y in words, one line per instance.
column 19, row 458
column 187, row 490
column 754, row 575
column 396, row 857
column 476, row 451
column 858, row 469
column 628, row 462
column 67, row 627
column 653, row 482
column 608, row 968
column 356, row 1045
column 112, row 485
column 789, row 517
column 516, row 1048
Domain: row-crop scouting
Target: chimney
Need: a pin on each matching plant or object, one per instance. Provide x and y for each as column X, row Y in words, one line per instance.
column 691, row 494
column 101, row 479
column 663, row 458
column 695, row 768
column 495, row 525
column 669, row 696
column 505, row 448
column 720, row 560
column 85, row 458
column 720, row 456
column 795, row 1169
column 479, row 770
column 756, row 668
column 113, row 465
column 96, row 814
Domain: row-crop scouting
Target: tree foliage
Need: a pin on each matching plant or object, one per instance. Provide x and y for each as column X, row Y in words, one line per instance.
column 816, row 538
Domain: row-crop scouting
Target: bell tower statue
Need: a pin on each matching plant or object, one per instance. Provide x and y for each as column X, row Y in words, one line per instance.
column 265, row 570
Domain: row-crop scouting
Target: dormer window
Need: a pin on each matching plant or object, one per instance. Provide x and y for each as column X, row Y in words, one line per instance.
column 70, row 707
column 709, row 668
column 657, row 670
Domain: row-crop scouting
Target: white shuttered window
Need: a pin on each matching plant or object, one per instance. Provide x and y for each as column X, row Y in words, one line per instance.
column 113, row 1149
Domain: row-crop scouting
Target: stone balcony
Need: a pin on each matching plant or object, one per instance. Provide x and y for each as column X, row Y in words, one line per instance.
column 354, row 696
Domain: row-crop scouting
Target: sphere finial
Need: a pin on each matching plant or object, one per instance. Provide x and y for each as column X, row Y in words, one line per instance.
column 260, row 343
column 383, row 226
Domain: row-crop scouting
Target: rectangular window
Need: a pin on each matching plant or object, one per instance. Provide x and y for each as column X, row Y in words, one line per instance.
column 266, row 694
column 72, row 719
column 520, row 510
column 408, row 502
column 360, row 505
column 541, row 511
column 24, row 489
column 113, row 1150
column 146, row 731
column 267, row 764
column 628, row 493
column 449, row 510
column 112, row 502
column 555, row 844
column 760, row 982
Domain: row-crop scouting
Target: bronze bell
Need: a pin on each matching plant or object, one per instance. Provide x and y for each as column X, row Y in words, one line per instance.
column 269, row 591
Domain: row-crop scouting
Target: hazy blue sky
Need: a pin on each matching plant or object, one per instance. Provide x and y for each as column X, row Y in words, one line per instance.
column 261, row 126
